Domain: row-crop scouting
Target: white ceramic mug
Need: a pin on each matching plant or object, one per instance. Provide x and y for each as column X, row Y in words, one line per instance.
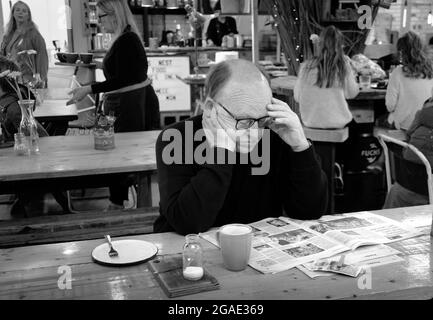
column 235, row 243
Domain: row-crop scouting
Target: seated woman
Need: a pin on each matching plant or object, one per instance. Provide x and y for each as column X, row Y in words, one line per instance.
column 10, row 112
column 10, row 118
column 325, row 82
column 412, row 189
column 409, row 84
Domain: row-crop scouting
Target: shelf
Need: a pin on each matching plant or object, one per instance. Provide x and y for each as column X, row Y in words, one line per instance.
column 165, row 11
column 77, row 65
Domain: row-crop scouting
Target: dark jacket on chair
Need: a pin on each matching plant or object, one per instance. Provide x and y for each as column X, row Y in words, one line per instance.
column 420, row 134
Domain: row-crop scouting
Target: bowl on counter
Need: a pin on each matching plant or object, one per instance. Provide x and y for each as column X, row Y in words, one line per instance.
column 67, row 57
column 86, row 58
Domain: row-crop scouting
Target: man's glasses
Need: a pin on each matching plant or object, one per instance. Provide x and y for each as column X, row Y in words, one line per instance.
column 102, row 16
column 246, row 123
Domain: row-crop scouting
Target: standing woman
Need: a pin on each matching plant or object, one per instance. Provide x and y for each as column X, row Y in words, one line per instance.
column 22, row 34
column 128, row 91
column 325, row 82
column 410, row 84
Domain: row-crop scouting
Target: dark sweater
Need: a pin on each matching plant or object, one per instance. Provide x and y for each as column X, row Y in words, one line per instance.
column 217, row 30
column 197, row 197
column 124, row 64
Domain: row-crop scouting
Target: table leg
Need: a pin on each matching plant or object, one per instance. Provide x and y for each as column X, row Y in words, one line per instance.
column 147, row 193
column 326, row 152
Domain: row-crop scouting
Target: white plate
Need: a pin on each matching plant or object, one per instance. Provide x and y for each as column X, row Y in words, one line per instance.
column 130, row 252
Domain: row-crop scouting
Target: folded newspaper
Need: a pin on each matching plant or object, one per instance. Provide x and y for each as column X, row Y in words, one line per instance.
column 352, row 263
column 281, row 243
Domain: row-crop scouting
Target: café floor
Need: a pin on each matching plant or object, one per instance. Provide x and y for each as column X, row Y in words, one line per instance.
column 92, row 199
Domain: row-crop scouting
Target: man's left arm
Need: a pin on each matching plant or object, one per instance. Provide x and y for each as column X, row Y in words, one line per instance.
column 302, row 182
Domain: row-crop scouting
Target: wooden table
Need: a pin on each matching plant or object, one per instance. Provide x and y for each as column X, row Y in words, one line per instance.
column 32, row 273
column 56, row 110
column 70, row 162
column 285, row 85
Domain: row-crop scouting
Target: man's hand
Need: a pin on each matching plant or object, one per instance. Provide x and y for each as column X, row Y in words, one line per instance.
column 79, row 94
column 287, row 125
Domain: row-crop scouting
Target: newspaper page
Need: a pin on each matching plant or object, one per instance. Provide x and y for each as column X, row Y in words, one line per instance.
column 351, row 263
column 281, row 243
column 361, row 228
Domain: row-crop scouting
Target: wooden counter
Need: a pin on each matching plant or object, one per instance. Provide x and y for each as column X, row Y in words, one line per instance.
column 285, row 85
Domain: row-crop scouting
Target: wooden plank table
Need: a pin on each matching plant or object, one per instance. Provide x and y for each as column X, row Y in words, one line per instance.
column 56, row 110
column 70, row 162
column 285, row 85
column 32, row 273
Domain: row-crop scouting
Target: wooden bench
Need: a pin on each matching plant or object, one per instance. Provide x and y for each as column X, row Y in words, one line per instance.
column 76, row 227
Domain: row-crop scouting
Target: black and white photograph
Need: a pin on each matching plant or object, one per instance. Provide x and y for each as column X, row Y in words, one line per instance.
column 205, row 150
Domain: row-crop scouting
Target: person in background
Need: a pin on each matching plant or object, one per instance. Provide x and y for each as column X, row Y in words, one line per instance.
column 128, row 91
column 420, row 136
column 237, row 109
column 220, row 27
column 325, row 82
column 22, row 35
column 10, row 111
column 409, row 84
column 10, row 118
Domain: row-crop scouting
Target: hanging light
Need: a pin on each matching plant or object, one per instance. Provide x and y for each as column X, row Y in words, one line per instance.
column 405, row 14
column 147, row 3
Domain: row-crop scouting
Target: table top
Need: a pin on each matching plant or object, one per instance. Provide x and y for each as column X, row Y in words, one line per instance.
column 285, row 86
column 74, row 156
column 33, row 273
column 55, row 110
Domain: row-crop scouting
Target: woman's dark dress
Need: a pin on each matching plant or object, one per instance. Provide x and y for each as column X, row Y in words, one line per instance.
column 124, row 65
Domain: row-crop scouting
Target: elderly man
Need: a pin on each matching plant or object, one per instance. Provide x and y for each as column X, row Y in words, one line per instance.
column 239, row 117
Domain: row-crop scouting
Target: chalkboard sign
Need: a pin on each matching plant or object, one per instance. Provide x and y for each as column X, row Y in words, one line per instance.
column 173, row 94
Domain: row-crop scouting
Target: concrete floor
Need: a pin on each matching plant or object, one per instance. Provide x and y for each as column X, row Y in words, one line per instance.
column 92, row 200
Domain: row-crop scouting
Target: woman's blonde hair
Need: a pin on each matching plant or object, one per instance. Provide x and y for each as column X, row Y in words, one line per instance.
column 415, row 62
column 123, row 16
column 330, row 62
column 11, row 27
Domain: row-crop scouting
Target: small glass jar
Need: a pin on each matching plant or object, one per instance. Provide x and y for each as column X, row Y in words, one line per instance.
column 21, row 146
column 192, row 258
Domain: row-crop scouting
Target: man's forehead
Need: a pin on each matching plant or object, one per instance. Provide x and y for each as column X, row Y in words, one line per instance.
column 246, row 99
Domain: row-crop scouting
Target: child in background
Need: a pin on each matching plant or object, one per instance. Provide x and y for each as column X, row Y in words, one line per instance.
column 420, row 135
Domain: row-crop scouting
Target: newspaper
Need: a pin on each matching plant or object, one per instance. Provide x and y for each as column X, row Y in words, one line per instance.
column 281, row 243
column 351, row 263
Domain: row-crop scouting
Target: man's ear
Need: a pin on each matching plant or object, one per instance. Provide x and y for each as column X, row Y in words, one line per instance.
column 207, row 107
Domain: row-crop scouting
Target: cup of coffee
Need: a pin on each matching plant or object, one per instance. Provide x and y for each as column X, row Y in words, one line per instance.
column 235, row 243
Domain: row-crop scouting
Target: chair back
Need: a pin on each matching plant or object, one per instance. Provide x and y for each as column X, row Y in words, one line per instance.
column 407, row 173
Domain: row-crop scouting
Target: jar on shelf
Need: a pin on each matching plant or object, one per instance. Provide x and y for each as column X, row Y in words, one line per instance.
column 192, row 258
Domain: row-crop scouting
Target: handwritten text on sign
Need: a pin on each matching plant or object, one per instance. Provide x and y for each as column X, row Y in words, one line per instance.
column 173, row 94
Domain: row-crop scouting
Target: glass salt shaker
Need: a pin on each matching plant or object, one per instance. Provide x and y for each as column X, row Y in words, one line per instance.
column 192, row 258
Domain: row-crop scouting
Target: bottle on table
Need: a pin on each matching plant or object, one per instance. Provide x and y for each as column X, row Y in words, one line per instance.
column 192, row 258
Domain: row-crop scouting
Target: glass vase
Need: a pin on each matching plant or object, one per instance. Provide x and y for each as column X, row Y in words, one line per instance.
column 28, row 126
